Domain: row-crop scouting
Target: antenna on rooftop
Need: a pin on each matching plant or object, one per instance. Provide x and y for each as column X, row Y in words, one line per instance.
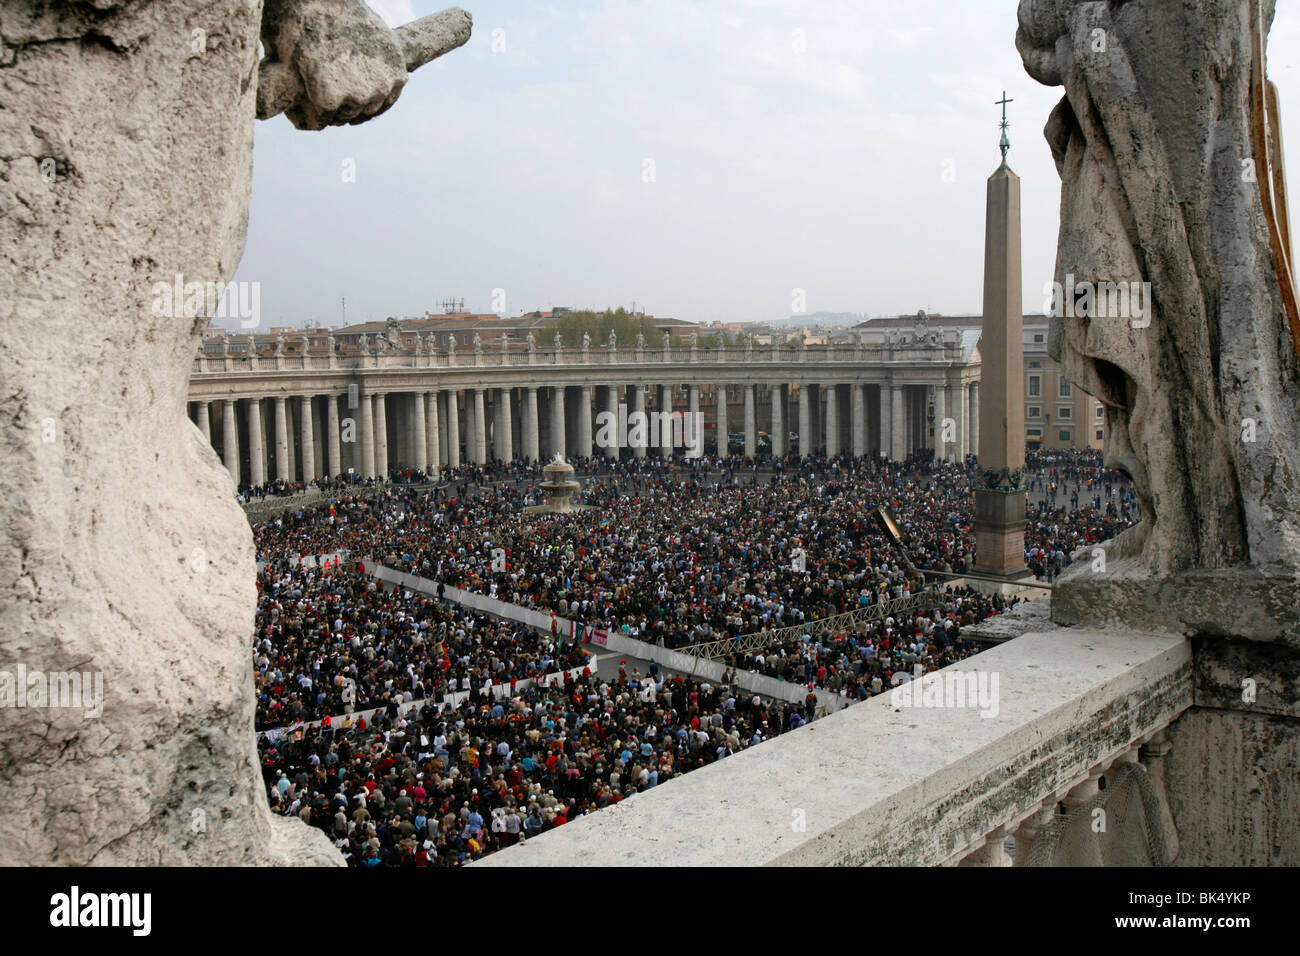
column 452, row 306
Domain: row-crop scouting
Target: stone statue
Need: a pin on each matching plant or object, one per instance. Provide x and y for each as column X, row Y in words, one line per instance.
column 586, row 340
column 279, row 345
column 478, row 344
column 135, row 110
column 1193, row 353
column 695, row 339
column 559, row 342
column 640, row 341
column 531, row 342
column 667, row 341
column 304, row 343
column 613, row 339
column 392, row 332
column 363, row 344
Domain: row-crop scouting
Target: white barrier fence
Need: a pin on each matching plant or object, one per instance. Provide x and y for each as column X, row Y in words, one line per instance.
column 686, row 664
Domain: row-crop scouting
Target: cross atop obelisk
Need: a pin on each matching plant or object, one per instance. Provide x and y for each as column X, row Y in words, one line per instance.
column 1006, row 143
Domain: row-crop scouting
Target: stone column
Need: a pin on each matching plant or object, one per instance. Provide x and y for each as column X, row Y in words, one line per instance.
column 256, row 468
column 941, row 448
column 666, row 408
column 898, row 421
column 885, row 400
column 584, row 421
column 290, row 431
column 506, row 442
column 722, row 421
column 859, row 420
column 638, row 408
column 367, row 438
column 956, row 404
column 421, row 432
column 529, row 428
column 443, row 433
column 308, row 433
column 779, row 432
column 975, row 418
column 832, row 420
column 230, row 439
column 453, row 429
column 433, row 438
column 806, row 441
column 332, row 450
column 693, row 429
column 205, row 421
column 611, row 406
column 381, row 435
column 557, row 421
column 751, row 423
column 479, row 433
column 281, row 442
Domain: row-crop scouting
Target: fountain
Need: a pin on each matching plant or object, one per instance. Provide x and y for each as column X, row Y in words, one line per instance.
column 559, row 487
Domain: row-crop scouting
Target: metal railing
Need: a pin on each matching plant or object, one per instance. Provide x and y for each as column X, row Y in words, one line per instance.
column 756, row 640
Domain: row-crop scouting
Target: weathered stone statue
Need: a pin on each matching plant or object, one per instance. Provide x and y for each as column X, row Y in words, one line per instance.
column 1167, row 179
column 613, row 339
column 640, row 341
column 1176, row 307
column 278, row 351
column 478, row 344
column 124, row 552
column 531, row 342
column 586, row 340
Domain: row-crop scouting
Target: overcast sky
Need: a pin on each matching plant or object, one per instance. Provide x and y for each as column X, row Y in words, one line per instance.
column 839, row 148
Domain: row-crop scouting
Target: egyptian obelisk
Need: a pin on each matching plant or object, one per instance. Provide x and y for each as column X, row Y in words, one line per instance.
column 1000, row 482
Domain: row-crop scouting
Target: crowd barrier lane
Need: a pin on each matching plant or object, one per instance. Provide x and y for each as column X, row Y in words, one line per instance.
column 687, row 664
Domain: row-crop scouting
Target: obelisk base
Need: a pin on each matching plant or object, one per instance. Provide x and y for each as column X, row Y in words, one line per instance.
column 1000, row 541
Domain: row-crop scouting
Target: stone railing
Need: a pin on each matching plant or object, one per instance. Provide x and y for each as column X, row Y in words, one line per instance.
column 1058, row 744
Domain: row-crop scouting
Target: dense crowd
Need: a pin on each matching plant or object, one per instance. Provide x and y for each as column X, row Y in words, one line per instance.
column 448, row 784
column 671, row 552
column 331, row 640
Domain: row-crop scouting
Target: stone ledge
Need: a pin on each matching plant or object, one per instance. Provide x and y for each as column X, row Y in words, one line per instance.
column 913, row 786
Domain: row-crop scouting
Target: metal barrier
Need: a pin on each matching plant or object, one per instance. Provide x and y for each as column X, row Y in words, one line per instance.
column 757, row 640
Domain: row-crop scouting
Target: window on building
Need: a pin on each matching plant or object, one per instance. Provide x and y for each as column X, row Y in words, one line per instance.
column 1035, row 385
column 1100, row 413
column 1038, row 338
column 1064, row 411
column 1065, row 390
column 1035, row 364
column 1064, row 435
column 1098, row 434
column 1035, row 411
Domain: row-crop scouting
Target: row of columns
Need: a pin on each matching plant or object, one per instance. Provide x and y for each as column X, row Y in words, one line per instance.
column 429, row 432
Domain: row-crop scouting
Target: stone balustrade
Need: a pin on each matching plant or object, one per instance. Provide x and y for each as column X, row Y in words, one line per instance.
column 1067, row 719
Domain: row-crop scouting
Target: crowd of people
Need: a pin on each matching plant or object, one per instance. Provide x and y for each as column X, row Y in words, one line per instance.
column 449, row 784
column 674, row 553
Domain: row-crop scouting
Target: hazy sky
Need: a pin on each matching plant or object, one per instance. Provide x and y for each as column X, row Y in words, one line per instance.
column 840, row 148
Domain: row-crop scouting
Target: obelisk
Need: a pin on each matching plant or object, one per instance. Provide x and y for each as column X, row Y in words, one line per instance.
column 1000, row 483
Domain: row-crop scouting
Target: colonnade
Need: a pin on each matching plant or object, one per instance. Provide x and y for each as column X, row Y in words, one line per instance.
column 375, row 432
